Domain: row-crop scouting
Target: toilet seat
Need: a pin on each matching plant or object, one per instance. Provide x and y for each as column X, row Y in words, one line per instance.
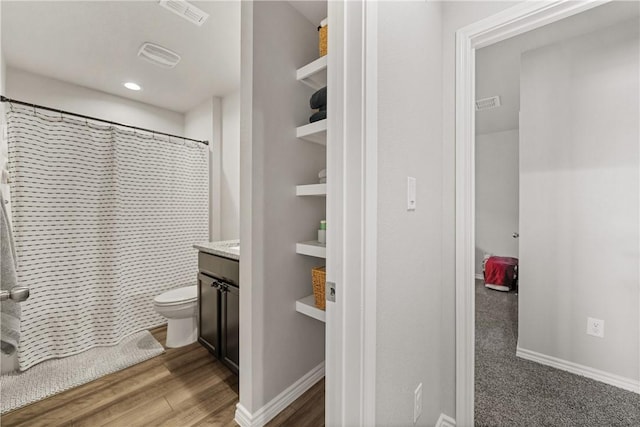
column 177, row 296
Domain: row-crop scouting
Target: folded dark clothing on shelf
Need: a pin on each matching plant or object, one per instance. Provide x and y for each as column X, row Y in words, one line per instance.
column 322, row 108
column 319, row 98
column 320, row 115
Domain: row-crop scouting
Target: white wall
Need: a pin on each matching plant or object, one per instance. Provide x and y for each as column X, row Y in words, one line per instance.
column 410, row 268
column 3, row 65
column 497, row 178
column 3, row 76
column 29, row 87
column 277, row 344
column 218, row 121
column 455, row 16
column 230, row 174
column 580, row 237
column 7, row 363
column 204, row 122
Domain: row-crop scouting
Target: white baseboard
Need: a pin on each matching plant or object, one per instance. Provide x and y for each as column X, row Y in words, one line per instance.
column 445, row 421
column 243, row 417
column 585, row 371
column 265, row 414
column 479, row 276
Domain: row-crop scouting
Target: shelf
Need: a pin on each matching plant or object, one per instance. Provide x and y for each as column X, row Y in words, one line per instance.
column 314, row 74
column 307, row 306
column 312, row 248
column 314, row 132
column 311, row 190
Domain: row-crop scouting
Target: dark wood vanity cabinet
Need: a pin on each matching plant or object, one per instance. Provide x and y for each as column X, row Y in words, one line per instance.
column 230, row 328
column 219, row 307
column 208, row 314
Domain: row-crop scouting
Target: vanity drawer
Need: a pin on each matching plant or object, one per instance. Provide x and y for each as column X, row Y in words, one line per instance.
column 219, row 267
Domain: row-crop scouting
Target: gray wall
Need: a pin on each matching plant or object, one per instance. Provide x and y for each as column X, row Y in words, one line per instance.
column 580, row 242
column 203, row 122
column 497, row 180
column 3, row 65
column 410, row 271
column 455, row 16
column 218, row 120
column 278, row 344
column 230, row 176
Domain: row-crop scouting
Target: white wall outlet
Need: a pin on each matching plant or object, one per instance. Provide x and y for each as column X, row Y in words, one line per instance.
column 417, row 403
column 411, row 193
column 595, row 327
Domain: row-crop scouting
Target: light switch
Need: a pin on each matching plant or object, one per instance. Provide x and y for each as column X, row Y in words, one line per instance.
column 411, row 193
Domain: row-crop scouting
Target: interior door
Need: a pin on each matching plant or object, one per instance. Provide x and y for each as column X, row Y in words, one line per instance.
column 497, row 195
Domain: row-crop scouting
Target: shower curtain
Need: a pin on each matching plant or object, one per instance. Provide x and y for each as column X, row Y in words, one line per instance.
column 104, row 220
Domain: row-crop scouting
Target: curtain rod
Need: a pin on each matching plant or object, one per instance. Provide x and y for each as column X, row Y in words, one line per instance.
column 55, row 110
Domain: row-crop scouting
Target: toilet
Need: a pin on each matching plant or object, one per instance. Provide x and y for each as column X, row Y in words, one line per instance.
column 180, row 306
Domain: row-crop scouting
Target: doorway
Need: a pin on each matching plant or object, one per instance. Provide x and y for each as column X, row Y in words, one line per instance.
column 511, row 23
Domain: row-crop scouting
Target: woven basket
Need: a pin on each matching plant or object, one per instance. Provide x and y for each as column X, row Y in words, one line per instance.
column 322, row 39
column 318, row 279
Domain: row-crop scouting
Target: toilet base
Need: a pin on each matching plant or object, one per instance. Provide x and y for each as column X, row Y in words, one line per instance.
column 181, row 332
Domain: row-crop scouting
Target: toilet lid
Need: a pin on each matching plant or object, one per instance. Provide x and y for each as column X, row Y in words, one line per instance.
column 179, row 295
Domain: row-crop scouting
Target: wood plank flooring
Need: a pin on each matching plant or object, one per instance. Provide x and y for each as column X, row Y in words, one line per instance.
column 181, row 388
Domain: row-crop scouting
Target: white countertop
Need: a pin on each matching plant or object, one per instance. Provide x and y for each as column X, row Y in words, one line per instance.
column 225, row 248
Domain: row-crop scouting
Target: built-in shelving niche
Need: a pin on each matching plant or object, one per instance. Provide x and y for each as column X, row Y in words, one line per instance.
column 313, row 75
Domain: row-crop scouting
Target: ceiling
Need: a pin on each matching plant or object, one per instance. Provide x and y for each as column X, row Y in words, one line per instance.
column 498, row 65
column 95, row 44
column 314, row 11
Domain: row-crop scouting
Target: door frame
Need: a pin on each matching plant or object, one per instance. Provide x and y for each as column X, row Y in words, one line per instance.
column 511, row 22
column 350, row 361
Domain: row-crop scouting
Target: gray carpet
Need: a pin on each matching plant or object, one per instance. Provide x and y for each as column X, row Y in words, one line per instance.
column 57, row 375
column 515, row 392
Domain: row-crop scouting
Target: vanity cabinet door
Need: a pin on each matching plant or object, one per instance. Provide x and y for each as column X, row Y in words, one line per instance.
column 230, row 327
column 209, row 294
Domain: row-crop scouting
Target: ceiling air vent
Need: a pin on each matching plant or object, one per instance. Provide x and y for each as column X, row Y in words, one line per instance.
column 487, row 103
column 185, row 10
column 158, row 55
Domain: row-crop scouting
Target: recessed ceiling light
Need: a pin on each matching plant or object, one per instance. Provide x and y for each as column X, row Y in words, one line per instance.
column 132, row 86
